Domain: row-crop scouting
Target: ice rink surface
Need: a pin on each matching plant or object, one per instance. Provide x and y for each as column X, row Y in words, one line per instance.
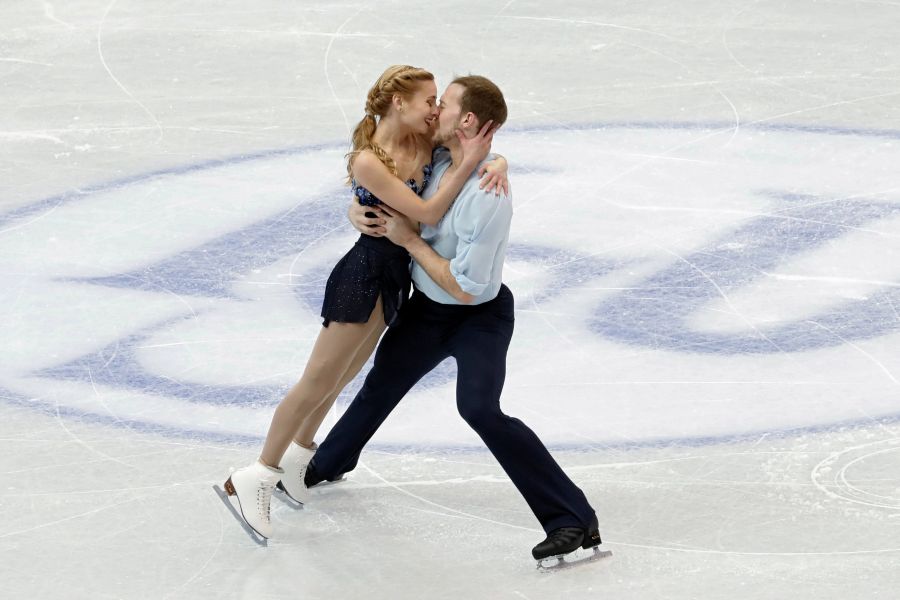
column 705, row 254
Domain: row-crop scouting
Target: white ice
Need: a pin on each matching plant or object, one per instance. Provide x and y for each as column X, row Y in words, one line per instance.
column 705, row 255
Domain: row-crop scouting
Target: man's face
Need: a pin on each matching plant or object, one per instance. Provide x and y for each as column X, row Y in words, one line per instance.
column 449, row 119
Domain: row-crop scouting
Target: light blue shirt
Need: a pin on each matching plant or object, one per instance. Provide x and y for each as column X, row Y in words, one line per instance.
column 473, row 235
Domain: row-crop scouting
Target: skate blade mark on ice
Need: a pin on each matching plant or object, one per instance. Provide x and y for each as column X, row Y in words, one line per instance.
column 255, row 535
column 573, row 559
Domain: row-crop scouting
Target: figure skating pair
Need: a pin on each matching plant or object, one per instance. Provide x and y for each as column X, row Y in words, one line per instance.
column 459, row 308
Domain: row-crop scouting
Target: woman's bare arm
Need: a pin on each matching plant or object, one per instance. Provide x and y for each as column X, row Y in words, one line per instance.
column 372, row 174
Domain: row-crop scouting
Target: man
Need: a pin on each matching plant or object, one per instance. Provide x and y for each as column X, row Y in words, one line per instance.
column 460, row 308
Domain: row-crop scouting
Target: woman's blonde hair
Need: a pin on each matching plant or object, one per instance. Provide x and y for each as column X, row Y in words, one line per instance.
column 398, row 79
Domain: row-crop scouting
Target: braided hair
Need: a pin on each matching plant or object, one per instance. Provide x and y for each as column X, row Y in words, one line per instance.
column 398, row 79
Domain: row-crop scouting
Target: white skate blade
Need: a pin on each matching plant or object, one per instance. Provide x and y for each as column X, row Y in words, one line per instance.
column 282, row 495
column 572, row 559
column 240, row 519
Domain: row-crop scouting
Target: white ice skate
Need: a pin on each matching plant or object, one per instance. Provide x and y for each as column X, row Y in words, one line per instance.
column 294, row 462
column 253, row 487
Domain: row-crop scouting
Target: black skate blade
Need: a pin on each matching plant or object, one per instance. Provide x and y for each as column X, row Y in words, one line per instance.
column 286, row 498
column 250, row 531
column 328, row 482
column 573, row 559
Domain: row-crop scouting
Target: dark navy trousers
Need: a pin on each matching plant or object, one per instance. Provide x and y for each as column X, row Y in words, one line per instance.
column 478, row 338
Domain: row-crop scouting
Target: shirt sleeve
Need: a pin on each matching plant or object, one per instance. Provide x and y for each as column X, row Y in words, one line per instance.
column 482, row 225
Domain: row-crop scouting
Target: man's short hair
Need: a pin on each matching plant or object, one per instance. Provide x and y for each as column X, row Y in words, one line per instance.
column 482, row 97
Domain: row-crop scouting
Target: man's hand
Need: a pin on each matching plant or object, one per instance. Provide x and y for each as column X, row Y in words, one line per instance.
column 398, row 228
column 405, row 233
column 373, row 226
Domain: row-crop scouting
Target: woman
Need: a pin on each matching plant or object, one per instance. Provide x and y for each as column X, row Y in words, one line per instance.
column 368, row 285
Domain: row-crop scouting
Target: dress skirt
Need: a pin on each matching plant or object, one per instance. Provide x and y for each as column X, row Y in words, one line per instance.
column 373, row 266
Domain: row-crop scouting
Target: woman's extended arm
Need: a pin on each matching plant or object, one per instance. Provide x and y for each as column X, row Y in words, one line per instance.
column 372, row 174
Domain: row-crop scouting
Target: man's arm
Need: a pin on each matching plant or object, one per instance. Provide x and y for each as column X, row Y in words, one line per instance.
column 399, row 230
column 437, row 267
column 482, row 227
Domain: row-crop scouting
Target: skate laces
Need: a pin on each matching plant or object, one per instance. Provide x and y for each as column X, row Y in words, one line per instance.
column 264, row 498
column 565, row 535
column 301, row 462
column 301, row 473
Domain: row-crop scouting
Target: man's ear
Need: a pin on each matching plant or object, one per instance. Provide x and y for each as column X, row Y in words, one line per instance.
column 470, row 122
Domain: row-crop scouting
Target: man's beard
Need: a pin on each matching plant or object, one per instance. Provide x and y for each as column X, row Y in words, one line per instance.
column 441, row 139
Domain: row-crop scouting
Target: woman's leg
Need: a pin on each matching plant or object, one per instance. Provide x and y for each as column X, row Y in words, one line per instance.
column 334, row 351
column 307, row 432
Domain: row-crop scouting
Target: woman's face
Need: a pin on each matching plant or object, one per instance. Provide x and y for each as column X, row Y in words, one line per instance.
column 420, row 112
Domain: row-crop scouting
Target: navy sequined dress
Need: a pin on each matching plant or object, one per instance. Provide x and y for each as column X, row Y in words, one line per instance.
column 373, row 266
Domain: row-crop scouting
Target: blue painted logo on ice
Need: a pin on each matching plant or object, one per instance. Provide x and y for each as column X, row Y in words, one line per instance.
column 639, row 253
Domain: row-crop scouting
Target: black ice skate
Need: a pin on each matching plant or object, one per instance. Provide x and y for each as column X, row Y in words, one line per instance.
column 557, row 551
column 312, row 477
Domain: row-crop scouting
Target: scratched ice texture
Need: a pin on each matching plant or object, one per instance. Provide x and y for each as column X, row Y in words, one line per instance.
column 705, row 256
